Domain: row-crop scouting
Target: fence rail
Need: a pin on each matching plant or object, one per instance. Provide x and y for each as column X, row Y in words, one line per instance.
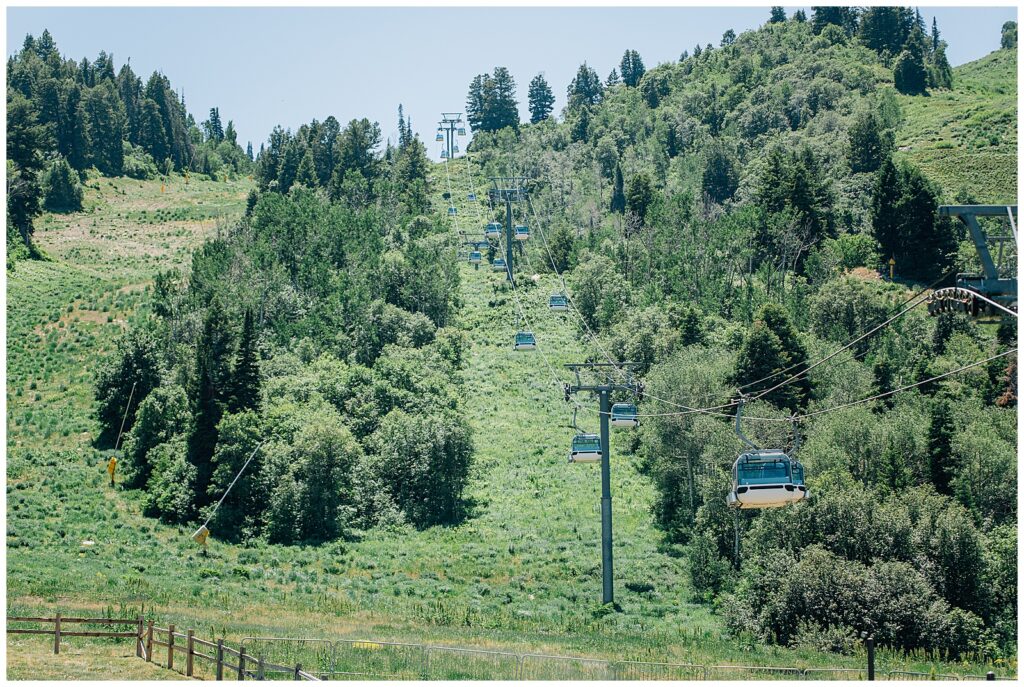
column 263, row 658
column 148, row 635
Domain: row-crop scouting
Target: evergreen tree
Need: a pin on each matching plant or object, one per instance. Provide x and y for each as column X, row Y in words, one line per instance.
column 640, row 195
column 230, row 135
column 870, row 143
column 63, row 190
column 541, row 99
column 25, row 139
column 940, row 73
column 248, row 151
column 773, row 345
column 618, row 203
column 632, row 68
column 721, row 177
column 778, row 15
column 475, row 102
column 844, row 17
column 886, row 29
column 800, row 16
column 613, row 78
column 585, row 89
column 209, row 392
column 105, row 129
column 909, row 73
column 906, row 224
column 73, row 139
column 935, row 34
column 728, row 38
column 503, row 110
column 212, row 127
column 306, row 173
column 245, row 377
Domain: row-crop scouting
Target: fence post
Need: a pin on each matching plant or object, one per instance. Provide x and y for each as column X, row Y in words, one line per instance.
column 990, row 675
column 138, row 637
column 149, row 641
column 870, row 642
column 241, row 663
column 170, row 646
column 259, row 668
column 56, row 634
column 298, row 669
column 220, row 659
column 189, row 659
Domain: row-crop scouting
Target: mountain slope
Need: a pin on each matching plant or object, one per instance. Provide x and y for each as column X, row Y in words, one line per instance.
column 966, row 138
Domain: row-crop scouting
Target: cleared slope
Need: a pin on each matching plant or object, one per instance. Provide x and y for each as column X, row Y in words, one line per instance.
column 966, row 138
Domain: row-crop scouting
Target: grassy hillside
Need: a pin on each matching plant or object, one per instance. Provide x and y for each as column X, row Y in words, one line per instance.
column 966, row 138
column 521, row 573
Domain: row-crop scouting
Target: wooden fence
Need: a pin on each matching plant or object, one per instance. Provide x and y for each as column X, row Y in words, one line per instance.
column 162, row 645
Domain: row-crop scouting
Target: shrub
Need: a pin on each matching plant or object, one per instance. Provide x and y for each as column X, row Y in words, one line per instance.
column 172, row 485
column 138, row 164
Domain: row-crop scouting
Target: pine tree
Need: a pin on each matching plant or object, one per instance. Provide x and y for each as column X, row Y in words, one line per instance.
column 778, row 15
column 25, row 138
column 230, row 135
column 475, row 106
column 632, row 68
column 213, row 129
column 209, row 391
column 105, row 129
column 940, row 73
column 640, row 195
column 721, row 177
column 800, row 16
column 63, row 190
column 504, row 109
column 941, row 431
column 245, row 377
column 728, row 38
column 909, row 73
column 306, row 173
column 248, row 151
column 618, row 203
column 886, row 29
column 870, row 143
column 541, row 99
column 843, row 17
column 935, row 34
column 773, row 345
column 613, row 78
column 585, row 89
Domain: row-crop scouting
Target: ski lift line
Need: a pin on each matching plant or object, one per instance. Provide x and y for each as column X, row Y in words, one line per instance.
column 805, row 416
column 914, row 296
column 127, row 407
column 455, row 217
column 1013, row 224
column 863, row 336
column 228, row 490
column 596, row 340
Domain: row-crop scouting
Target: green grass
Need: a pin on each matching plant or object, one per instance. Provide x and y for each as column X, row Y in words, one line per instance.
column 521, row 574
column 966, row 138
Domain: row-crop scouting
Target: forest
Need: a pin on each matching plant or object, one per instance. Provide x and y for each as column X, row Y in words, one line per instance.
column 726, row 221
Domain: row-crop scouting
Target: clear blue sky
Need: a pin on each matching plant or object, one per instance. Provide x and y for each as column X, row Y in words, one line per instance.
column 265, row 66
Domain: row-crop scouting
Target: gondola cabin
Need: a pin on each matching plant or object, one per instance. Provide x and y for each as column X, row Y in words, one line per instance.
column 462, row 131
column 525, row 341
column 471, row 196
column 452, row 210
column 766, row 479
column 586, row 448
column 455, row 148
column 558, row 302
column 444, row 153
column 440, row 137
column 476, row 257
column 498, row 265
column 493, row 230
column 522, row 232
column 624, row 415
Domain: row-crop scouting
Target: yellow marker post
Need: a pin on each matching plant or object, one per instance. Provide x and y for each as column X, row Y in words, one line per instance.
column 162, row 188
column 892, row 268
column 112, row 468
